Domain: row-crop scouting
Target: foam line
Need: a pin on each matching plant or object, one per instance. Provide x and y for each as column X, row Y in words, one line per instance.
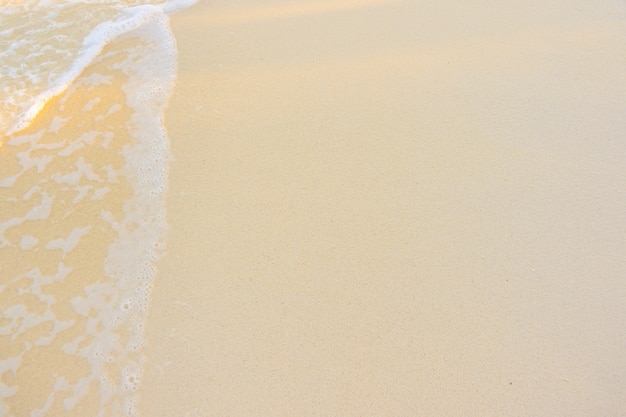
column 129, row 19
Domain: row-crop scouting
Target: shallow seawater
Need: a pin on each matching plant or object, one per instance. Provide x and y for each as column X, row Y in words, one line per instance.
column 83, row 175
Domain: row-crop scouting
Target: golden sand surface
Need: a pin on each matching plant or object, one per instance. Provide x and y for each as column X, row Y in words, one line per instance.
column 394, row 208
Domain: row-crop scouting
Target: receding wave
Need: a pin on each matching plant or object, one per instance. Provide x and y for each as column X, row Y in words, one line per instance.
column 83, row 175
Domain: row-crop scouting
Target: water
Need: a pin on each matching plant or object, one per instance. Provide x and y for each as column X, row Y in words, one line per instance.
column 83, row 175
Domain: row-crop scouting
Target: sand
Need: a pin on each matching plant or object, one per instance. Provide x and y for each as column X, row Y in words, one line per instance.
column 393, row 208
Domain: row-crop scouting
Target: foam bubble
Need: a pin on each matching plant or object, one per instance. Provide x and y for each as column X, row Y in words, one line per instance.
column 28, row 242
column 122, row 21
column 112, row 308
column 70, row 242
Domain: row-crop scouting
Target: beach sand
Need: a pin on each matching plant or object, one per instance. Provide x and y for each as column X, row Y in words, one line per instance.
column 393, row 208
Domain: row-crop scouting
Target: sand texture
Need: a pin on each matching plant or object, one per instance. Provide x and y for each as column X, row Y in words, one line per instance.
column 394, row 208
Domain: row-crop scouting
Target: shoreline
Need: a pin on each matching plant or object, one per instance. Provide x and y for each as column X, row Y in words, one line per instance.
column 371, row 219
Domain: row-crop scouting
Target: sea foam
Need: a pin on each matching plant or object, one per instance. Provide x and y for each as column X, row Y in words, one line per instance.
column 83, row 176
column 121, row 19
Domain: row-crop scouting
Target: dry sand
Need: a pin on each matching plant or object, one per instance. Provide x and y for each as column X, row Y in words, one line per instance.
column 394, row 208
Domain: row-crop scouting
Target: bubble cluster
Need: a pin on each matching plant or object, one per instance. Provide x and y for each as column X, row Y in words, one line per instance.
column 85, row 212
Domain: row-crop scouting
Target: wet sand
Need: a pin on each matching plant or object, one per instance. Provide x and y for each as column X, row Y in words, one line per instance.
column 387, row 208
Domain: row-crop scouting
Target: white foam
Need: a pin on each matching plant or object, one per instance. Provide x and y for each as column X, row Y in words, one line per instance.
column 128, row 19
column 8, row 365
column 70, row 242
column 114, row 306
column 39, row 212
column 58, row 123
column 28, row 242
